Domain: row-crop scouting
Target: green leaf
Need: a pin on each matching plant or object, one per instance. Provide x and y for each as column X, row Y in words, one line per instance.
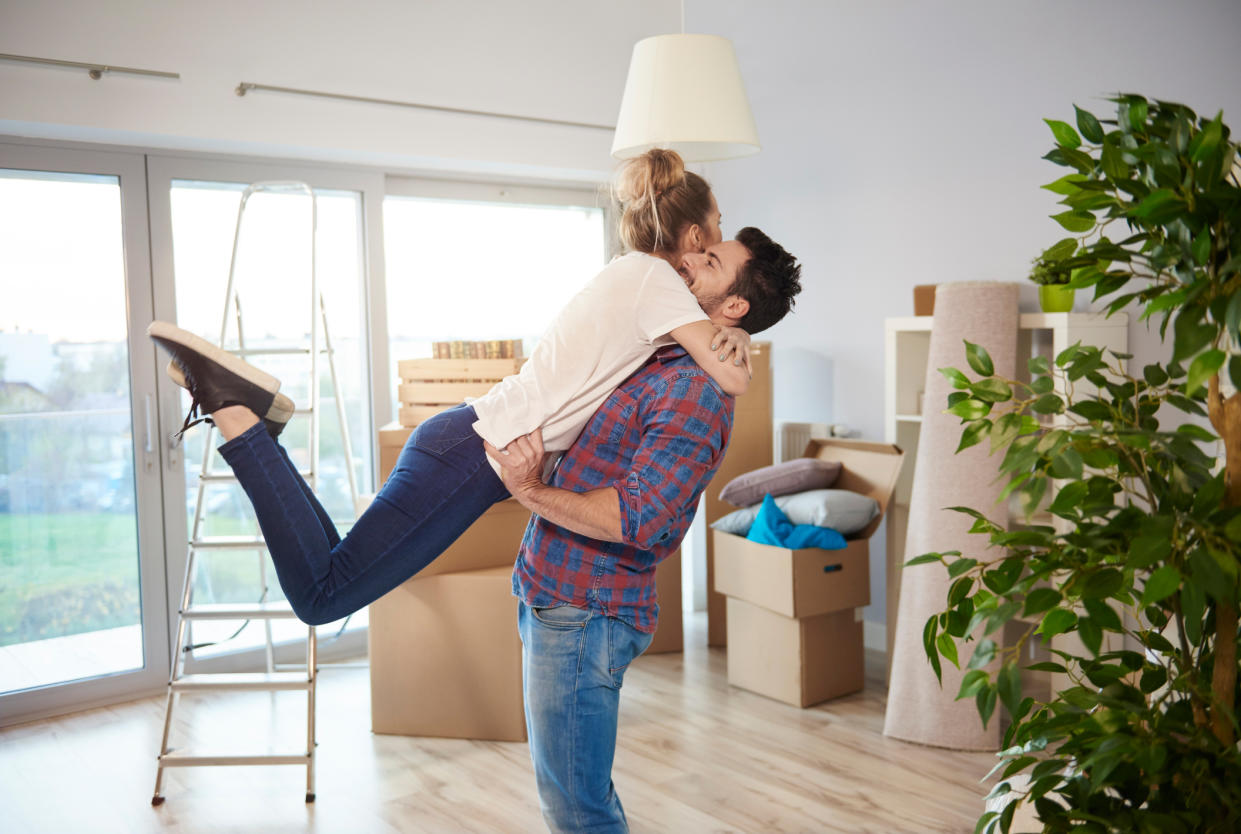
column 1066, row 185
column 1103, row 583
column 1092, row 410
column 979, row 359
column 1057, row 621
column 1047, row 666
column 973, row 434
column 1005, row 430
column 1075, row 221
column 1091, row 634
column 1008, row 685
column 984, row 653
column 925, row 558
column 1103, row 614
column 1160, row 205
column 1069, row 498
column 1147, row 549
column 1088, row 125
column 1162, row 584
column 1191, row 335
column 1038, row 365
column 1040, row 600
column 1201, row 247
column 1156, row 375
column 928, row 644
column 971, row 409
column 985, row 700
column 1065, row 135
column 1138, row 109
column 948, row 648
column 1113, row 161
column 960, row 566
column 992, row 390
column 1067, row 464
column 960, row 590
column 1232, row 318
column 974, row 680
column 1048, row 404
column 1197, row 432
column 958, row 379
column 1203, row 368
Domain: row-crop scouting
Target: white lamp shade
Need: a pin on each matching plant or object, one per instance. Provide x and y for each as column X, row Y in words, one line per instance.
column 684, row 92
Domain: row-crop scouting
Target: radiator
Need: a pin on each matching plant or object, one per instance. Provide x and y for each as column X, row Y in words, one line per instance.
column 792, row 438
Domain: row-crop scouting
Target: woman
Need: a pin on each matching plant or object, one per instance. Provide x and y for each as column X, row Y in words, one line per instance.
column 444, row 480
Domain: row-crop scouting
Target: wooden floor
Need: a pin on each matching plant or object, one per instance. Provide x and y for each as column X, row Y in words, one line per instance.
column 694, row 756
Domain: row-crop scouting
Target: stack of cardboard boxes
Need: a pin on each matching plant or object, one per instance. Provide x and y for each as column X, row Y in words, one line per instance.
column 794, row 616
column 445, row 656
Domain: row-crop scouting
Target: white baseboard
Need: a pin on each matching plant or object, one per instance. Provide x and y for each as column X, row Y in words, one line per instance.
column 875, row 636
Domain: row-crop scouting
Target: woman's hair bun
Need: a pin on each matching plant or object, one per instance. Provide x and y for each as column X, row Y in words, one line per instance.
column 648, row 176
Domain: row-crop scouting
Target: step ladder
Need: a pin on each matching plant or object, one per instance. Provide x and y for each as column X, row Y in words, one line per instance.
column 277, row 677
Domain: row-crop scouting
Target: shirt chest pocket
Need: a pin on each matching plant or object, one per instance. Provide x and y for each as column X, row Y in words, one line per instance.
column 621, row 421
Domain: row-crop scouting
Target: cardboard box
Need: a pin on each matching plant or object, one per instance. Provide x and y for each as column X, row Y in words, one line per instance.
column 670, row 634
column 445, row 658
column 924, row 299
column 429, row 386
column 794, row 583
column 797, row 609
column 798, row 661
column 749, row 448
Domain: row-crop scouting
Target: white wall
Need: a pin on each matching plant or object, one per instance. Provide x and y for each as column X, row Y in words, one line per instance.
column 902, row 144
column 547, row 58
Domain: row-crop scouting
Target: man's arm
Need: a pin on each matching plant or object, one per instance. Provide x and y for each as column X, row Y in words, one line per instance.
column 595, row 513
column 681, row 446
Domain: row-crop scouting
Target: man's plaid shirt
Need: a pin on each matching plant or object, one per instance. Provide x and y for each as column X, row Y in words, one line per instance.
column 657, row 440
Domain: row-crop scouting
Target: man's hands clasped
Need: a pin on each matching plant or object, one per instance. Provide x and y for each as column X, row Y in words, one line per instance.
column 521, row 463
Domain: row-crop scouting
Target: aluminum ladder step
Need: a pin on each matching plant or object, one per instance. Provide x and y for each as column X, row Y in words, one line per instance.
column 243, row 681
column 178, row 759
column 239, row 611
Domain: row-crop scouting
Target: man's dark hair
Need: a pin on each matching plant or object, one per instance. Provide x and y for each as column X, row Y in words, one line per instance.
column 768, row 280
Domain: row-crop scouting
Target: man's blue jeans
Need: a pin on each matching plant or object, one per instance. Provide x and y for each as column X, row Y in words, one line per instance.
column 440, row 485
column 573, row 664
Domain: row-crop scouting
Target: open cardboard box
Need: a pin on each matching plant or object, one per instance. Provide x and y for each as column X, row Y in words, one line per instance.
column 793, row 628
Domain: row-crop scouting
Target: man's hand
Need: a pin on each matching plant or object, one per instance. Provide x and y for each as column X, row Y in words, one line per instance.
column 521, row 463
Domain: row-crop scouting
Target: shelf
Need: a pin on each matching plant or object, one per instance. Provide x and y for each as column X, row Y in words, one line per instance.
column 909, row 418
column 1027, row 321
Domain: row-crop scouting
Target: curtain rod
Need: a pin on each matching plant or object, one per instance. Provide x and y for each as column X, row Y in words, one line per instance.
column 246, row 86
column 95, row 71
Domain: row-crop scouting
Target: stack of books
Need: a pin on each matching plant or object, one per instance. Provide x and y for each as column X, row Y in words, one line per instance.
column 490, row 349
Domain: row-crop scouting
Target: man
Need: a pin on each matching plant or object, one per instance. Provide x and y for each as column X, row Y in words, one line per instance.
column 618, row 503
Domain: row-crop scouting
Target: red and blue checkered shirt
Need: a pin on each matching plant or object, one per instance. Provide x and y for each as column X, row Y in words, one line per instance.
column 657, row 440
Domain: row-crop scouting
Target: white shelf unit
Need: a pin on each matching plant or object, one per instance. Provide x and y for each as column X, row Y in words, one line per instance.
column 907, row 342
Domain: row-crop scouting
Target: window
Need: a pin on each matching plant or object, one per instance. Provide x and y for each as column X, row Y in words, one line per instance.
column 479, row 262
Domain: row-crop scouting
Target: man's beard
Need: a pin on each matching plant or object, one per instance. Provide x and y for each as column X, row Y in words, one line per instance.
column 711, row 304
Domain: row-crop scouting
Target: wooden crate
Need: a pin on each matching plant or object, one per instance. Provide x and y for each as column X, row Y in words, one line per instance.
column 429, row 386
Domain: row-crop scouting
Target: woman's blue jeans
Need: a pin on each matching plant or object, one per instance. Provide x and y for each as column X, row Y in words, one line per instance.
column 440, row 485
column 573, row 664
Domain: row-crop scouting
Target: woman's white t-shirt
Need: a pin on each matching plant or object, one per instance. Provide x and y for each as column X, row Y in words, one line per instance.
column 601, row 336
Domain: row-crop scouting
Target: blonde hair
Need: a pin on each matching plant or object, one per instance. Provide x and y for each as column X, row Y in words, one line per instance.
column 659, row 200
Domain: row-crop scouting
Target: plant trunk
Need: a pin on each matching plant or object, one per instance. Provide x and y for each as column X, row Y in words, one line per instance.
column 1226, row 418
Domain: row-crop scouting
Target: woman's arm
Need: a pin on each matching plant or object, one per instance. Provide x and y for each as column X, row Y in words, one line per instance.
column 730, row 372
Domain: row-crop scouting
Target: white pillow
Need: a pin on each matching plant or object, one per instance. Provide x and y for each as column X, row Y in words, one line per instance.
column 843, row 511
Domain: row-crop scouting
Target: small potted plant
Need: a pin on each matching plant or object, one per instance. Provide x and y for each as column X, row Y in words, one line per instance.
column 1052, row 276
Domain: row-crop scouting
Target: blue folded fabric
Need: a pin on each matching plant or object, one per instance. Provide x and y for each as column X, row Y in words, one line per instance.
column 772, row 526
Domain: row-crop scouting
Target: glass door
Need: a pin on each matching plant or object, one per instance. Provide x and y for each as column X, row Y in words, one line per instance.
column 82, row 606
column 194, row 206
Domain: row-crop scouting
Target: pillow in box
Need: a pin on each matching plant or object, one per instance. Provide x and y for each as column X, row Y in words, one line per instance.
column 771, row 526
column 844, row 511
column 781, row 479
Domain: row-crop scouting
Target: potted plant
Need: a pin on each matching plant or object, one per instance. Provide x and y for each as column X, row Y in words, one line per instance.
column 1141, row 561
column 1054, row 293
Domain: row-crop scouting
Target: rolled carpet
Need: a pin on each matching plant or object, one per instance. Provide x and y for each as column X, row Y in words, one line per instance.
column 919, row 709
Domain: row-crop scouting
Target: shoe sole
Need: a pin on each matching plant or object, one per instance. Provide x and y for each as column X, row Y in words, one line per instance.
column 281, row 410
column 162, row 330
